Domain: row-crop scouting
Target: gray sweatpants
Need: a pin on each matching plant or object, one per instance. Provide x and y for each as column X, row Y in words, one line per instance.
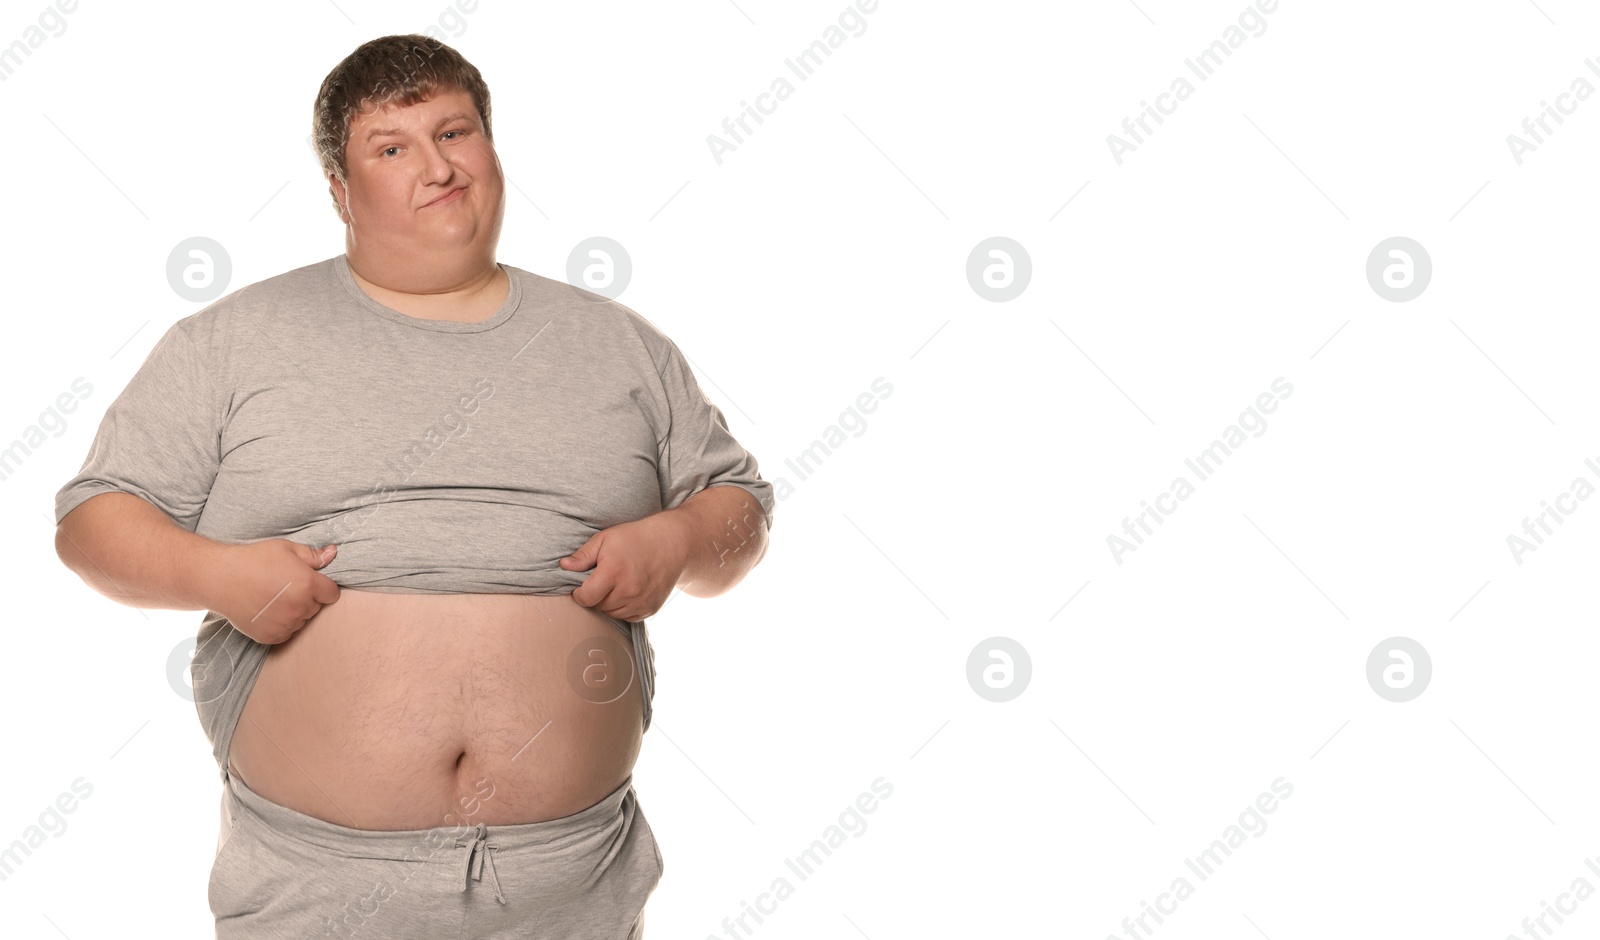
column 281, row 874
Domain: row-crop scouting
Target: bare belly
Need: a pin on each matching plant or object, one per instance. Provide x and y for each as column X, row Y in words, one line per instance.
column 409, row 711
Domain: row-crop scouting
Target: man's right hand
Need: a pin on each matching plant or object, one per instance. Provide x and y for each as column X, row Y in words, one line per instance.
column 268, row 590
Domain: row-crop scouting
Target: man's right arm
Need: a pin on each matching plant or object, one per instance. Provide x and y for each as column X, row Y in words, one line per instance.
column 134, row 553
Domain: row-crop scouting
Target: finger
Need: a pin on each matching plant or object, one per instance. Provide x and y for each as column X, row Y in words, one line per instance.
column 598, row 591
column 324, row 590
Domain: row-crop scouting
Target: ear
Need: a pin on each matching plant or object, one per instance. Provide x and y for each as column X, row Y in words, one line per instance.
column 341, row 198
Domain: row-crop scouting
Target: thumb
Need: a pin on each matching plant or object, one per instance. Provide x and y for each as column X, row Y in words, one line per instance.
column 321, row 556
column 580, row 559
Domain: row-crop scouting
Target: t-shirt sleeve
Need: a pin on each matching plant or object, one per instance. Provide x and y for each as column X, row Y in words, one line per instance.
column 699, row 452
column 160, row 438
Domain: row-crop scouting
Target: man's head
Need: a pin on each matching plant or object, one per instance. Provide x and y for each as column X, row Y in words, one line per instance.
column 402, row 121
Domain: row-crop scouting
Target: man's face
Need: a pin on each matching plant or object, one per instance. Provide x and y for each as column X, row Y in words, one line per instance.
column 422, row 177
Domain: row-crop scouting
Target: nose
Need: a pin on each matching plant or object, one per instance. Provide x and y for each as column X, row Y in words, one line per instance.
column 436, row 165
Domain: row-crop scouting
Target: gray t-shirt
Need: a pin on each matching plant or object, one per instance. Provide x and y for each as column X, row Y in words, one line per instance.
column 441, row 457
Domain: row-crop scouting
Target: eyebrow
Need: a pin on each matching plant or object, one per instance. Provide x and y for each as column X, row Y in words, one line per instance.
column 396, row 132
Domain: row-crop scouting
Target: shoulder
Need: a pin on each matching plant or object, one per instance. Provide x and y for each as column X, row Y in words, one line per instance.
column 239, row 326
column 240, row 312
column 607, row 321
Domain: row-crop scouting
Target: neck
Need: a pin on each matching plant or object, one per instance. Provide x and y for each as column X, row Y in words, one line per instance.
column 454, row 295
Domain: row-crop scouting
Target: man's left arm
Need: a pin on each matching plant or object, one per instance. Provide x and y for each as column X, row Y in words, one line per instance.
column 724, row 536
column 704, row 547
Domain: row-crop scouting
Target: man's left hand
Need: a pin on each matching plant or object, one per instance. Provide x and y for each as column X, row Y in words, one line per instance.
column 636, row 566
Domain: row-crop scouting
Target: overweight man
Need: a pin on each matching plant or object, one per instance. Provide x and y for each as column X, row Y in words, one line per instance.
column 427, row 501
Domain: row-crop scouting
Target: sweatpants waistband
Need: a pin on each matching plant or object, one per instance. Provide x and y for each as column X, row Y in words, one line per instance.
column 402, row 844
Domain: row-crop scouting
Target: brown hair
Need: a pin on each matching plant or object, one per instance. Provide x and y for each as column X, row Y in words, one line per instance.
column 401, row 69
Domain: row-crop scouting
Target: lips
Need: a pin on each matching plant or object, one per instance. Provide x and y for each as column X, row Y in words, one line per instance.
column 452, row 194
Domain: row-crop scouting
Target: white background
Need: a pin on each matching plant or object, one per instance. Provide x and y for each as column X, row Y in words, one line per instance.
column 830, row 249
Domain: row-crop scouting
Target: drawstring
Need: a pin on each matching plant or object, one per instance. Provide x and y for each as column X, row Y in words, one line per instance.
column 476, row 850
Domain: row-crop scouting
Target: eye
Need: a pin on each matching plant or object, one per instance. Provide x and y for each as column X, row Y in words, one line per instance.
column 454, row 132
column 387, row 149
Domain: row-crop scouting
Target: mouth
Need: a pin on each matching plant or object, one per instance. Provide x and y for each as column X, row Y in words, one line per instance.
column 450, row 196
